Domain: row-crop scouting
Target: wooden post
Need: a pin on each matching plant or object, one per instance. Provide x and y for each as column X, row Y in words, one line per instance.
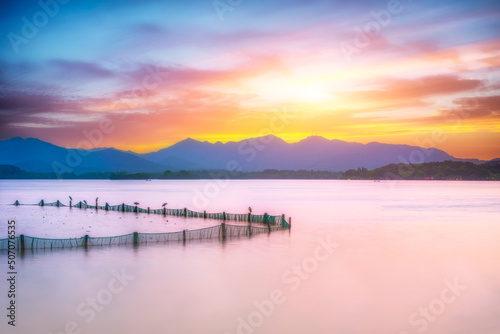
column 21, row 239
column 184, row 236
column 224, row 216
column 223, row 231
column 148, row 210
column 41, row 202
column 136, row 209
column 249, row 217
column 86, row 241
column 70, row 205
column 57, row 203
column 96, row 205
column 264, row 219
column 290, row 222
column 136, row 239
column 266, row 222
column 164, row 211
column 185, row 212
column 123, row 207
column 205, row 214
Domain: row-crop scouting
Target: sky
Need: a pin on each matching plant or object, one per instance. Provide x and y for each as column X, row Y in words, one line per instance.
column 143, row 75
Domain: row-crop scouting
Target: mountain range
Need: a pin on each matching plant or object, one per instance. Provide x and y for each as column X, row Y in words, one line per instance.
column 254, row 154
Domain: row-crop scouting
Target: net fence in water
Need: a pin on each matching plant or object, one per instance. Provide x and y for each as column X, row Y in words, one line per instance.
column 220, row 232
column 265, row 218
column 256, row 224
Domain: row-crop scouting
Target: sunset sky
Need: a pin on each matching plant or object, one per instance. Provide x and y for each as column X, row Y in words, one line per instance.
column 416, row 72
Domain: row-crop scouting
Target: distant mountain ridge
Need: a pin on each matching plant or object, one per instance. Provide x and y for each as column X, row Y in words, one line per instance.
column 311, row 153
column 253, row 154
column 38, row 156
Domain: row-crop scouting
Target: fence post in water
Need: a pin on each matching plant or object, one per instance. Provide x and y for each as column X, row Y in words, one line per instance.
column 123, row 207
column 224, row 216
column 136, row 239
column 96, row 205
column 148, row 210
column 185, row 212
column 249, row 217
column 21, row 239
column 267, row 222
column 290, row 222
column 184, row 236
column 41, row 202
column 223, row 230
column 164, row 211
column 205, row 214
column 70, row 205
column 86, row 241
column 57, row 203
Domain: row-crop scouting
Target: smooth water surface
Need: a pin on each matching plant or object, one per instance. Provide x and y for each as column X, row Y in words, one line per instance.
column 361, row 257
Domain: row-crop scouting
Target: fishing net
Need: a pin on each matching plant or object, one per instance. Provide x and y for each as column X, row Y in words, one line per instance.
column 256, row 224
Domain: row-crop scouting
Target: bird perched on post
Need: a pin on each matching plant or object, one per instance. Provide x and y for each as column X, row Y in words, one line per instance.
column 136, row 203
column 164, row 204
column 250, row 209
column 71, row 198
column 84, row 201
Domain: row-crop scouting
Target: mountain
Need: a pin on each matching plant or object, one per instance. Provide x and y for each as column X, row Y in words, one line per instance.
column 271, row 152
column 254, row 154
column 38, row 156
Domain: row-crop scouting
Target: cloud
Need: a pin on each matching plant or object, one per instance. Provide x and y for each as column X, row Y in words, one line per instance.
column 79, row 69
column 478, row 107
column 397, row 92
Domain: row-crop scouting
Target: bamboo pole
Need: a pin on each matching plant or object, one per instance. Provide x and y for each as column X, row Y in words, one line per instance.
column 223, row 231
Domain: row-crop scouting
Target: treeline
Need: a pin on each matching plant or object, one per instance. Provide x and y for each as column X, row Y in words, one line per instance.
column 447, row 170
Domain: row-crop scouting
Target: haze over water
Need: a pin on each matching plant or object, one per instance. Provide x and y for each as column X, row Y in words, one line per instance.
column 397, row 247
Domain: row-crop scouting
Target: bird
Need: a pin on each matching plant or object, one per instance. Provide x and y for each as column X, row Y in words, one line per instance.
column 136, row 203
column 250, row 209
column 96, row 199
column 164, row 204
column 84, row 201
column 71, row 198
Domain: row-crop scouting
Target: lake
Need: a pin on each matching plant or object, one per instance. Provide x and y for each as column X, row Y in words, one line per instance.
column 386, row 257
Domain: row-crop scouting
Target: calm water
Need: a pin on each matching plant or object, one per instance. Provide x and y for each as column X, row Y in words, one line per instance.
column 362, row 257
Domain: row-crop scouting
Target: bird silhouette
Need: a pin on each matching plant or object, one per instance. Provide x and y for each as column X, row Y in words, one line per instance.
column 164, row 204
column 71, row 198
column 250, row 209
